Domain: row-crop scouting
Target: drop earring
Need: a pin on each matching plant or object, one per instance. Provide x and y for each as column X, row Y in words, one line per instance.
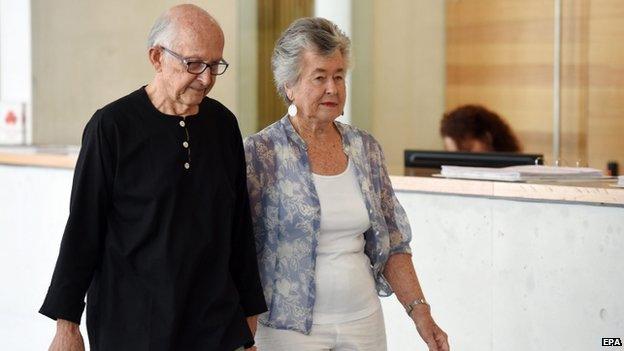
column 292, row 110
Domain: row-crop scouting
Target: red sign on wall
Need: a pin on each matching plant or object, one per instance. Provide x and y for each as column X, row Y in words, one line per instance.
column 10, row 117
column 12, row 126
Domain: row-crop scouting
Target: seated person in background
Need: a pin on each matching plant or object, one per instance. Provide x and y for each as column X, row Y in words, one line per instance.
column 473, row 128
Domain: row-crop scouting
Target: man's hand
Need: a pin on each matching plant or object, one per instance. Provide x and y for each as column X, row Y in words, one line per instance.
column 67, row 337
column 436, row 338
column 253, row 324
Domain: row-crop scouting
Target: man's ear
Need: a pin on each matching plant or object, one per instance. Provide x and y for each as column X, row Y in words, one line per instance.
column 155, row 57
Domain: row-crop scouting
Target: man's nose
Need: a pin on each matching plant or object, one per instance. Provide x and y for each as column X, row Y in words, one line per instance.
column 205, row 77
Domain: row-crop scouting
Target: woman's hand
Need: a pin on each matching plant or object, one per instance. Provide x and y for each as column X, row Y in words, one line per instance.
column 436, row 338
column 401, row 275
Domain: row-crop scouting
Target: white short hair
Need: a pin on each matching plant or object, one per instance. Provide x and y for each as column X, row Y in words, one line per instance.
column 162, row 33
column 310, row 33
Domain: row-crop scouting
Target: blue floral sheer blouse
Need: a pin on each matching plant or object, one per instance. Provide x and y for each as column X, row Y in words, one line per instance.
column 287, row 217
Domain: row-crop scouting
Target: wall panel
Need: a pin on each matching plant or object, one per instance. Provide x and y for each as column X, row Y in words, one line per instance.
column 500, row 54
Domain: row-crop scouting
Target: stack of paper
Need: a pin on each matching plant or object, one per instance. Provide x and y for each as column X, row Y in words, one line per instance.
column 521, row 173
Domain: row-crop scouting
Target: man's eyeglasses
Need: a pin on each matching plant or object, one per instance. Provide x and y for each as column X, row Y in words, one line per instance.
column 198, row 67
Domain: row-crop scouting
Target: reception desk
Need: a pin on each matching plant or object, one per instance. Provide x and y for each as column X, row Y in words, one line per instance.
column 516, row 266
column 40, row 156
column 505, row 266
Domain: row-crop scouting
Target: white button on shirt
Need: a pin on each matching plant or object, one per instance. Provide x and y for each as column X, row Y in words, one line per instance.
column 182, row 124
column 187, row 165
column 185, row 144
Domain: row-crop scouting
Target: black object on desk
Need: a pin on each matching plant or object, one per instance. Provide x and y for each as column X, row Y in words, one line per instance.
column 425, row 163
column 612, row 167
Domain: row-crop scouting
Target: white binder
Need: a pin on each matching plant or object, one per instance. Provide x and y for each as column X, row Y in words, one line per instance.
column 522, row 173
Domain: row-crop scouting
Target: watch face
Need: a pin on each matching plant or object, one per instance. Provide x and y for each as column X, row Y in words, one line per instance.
column 410, row 307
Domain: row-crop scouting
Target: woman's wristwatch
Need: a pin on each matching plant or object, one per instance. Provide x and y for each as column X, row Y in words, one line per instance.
column 409, row 308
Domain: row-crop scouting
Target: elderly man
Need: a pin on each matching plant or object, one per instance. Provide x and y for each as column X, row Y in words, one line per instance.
column 159, row 230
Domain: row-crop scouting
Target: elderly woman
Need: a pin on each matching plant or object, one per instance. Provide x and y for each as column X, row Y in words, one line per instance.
column 330, row 233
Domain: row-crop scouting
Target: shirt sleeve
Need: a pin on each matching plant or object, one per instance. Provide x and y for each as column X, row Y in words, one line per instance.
column 243, row 261
column 84, row 232
column 255, row 184
column 394, row 215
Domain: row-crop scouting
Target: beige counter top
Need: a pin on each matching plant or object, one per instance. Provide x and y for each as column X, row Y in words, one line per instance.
column 599, row 193
column 593, row 192
column 39, row 156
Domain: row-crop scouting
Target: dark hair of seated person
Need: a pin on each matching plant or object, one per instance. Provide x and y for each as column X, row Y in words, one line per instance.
column 474, row 128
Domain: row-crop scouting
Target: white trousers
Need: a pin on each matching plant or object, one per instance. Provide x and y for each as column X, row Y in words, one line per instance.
column 366, row 334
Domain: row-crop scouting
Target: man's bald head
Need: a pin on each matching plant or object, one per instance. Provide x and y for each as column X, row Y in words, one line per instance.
column 184, row 40
column 184, row 21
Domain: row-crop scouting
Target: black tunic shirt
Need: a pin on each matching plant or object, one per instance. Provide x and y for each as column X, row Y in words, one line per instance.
column 159, row 232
